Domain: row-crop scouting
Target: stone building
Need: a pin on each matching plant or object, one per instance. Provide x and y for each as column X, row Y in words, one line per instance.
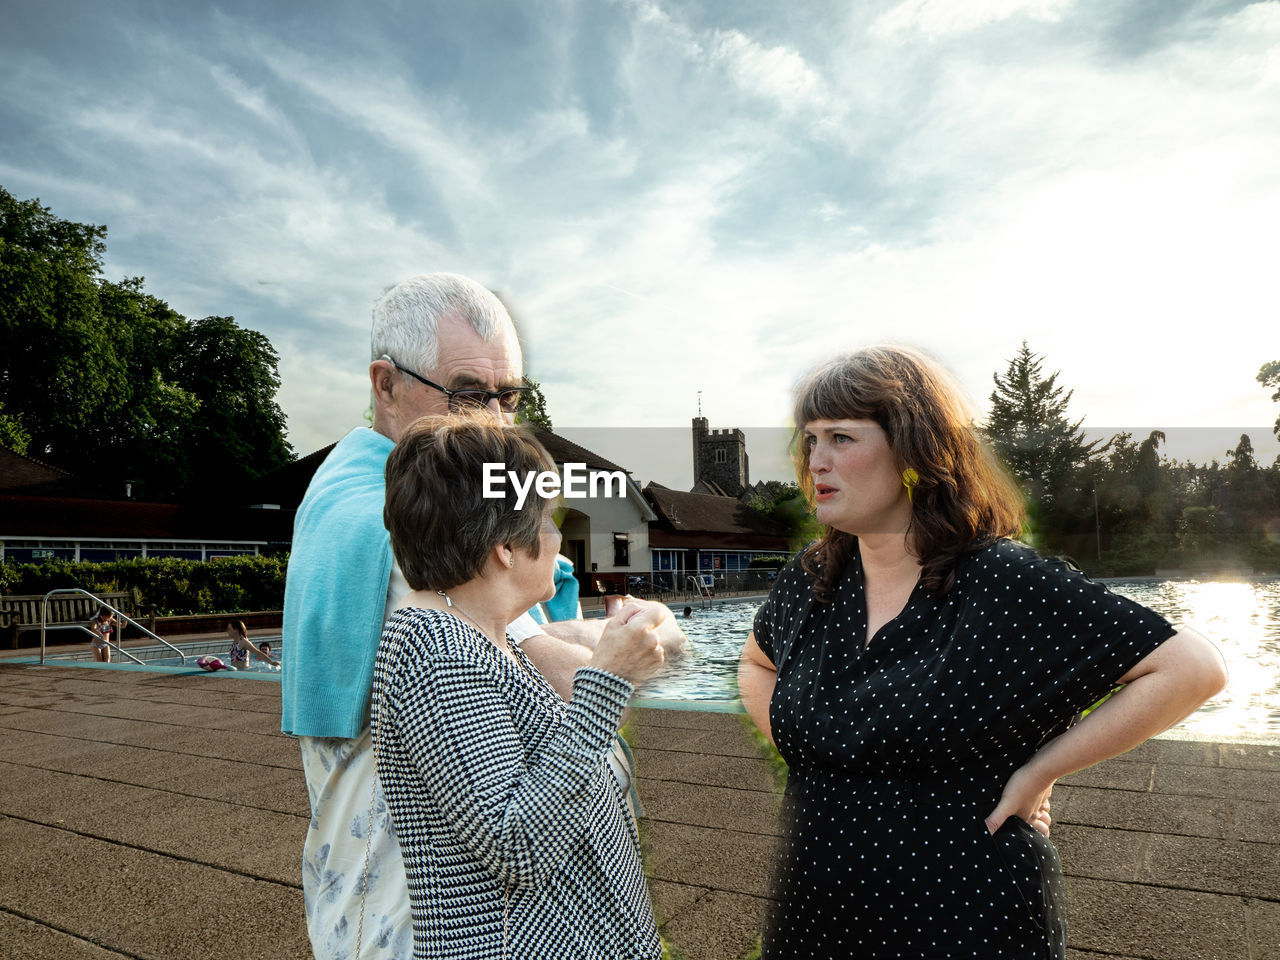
column 719, row 460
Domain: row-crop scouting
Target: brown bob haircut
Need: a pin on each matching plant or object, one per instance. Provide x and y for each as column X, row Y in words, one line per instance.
column 962, row 501
column 441, row 526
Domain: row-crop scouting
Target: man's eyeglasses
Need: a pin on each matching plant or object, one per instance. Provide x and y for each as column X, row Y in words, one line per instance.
column 509, row 398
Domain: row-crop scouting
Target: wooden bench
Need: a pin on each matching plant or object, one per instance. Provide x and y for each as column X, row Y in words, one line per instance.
column 21, row 614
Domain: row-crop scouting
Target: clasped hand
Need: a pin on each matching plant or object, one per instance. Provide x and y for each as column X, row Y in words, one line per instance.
column 630, row 646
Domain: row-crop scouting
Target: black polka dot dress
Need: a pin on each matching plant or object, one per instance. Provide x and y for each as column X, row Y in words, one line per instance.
column 900, row 749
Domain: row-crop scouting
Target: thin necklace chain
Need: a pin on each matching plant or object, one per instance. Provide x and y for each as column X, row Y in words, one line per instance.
column 450, row 602
column 511, row 647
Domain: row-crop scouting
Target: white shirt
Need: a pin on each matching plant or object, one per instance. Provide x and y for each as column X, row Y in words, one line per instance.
column 340, row 785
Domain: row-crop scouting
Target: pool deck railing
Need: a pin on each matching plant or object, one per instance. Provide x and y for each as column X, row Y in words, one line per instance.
column 161, row 815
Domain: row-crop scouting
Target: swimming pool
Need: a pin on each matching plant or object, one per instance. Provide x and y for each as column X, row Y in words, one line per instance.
column 1241, row 617
column 162, row 656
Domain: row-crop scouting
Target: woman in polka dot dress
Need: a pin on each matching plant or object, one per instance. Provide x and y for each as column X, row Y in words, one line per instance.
column 920, row 672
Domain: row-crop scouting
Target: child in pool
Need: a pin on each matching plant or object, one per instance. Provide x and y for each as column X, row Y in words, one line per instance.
column 242, row 646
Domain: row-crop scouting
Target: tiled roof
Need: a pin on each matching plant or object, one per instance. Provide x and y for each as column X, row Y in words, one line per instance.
column 566, row 451
column 70, row 518
column 18, row 472
column 682, row 512
column 287, row 485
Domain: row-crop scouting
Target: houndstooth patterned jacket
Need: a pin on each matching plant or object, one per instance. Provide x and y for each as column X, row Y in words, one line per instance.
column 512, row 828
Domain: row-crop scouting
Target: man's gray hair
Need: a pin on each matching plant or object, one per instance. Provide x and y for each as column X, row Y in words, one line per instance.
column 406, row 318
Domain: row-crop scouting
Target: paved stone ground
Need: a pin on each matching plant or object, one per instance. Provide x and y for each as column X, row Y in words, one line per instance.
column 1172, row 852
column 161, row 816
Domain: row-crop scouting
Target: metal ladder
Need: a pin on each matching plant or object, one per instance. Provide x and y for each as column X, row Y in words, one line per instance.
column 703, row 591
column 46, row 626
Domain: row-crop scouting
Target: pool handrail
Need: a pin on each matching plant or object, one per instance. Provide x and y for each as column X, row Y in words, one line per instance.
column 45, row 626
column 80, row 626
column 704, row 592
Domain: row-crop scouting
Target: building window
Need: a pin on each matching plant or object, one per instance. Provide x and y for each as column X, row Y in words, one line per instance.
column 722, row 455
column 621, row 550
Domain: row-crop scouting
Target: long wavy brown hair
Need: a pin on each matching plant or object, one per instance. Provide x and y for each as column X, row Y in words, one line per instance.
column 962, row 500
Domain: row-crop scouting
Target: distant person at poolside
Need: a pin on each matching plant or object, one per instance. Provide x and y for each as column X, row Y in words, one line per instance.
column 242, row 646
column 102, row 625
column 440, row 343
column 688, row 612
column 265, row 647
column 515, row 836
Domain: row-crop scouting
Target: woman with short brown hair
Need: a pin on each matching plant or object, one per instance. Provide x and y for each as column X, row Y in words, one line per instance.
column 515, row 838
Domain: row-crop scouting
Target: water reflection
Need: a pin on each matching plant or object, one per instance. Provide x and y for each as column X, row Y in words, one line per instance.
column 1241, row 617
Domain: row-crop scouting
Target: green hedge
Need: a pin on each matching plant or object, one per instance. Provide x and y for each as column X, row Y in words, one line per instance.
column 170, row 585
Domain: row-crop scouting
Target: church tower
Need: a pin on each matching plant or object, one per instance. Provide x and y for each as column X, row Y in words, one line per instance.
column 719, row 459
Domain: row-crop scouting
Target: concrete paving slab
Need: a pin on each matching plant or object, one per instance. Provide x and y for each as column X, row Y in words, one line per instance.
column 671, row 899
column 751, row 811
column 1155, row 923
column 21, row 938
column 1263, row 920
column 229, row 836
column 744, row 773
column 717, row 858
column 1215, row 866
column 1101, row 854
column 1150, row 812
column 694, row 740
column 1251, row 756
column 270, row 788
column 718, row 926
column 1228, row 783
column 1119, row 774
column 1201, row 753
column 266, row 746
column 1256, row 820
column 143, row 904
column 653, row 719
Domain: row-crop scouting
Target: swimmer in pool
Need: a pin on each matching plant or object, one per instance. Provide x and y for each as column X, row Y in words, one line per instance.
column 242, row 646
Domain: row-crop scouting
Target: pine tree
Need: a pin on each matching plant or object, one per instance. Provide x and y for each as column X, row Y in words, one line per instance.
column 1269, row 376
column 1030, row 431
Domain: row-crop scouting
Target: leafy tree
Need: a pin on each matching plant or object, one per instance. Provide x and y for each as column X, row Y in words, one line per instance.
column 232, row 374
column 13, row 436
column 57, row 359
column 110, row 383
column 784, row 503
column 1269, row 376
column 535, row 405
column 1029, row 429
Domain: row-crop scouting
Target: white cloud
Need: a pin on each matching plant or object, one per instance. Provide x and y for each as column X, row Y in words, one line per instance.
column 938, row 17
column 779, row 73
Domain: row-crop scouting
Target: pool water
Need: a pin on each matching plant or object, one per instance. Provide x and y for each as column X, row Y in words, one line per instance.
column 1242, row 618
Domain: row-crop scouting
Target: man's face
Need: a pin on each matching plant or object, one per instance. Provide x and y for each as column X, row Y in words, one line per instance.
column 465, row 360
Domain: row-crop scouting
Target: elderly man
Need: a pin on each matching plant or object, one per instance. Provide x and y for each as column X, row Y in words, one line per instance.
column 440, row 342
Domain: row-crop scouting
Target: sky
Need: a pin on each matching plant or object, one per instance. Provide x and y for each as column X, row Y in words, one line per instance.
column 689, row 203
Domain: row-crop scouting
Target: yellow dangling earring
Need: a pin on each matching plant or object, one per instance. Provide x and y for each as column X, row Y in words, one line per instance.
column 909, row 480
